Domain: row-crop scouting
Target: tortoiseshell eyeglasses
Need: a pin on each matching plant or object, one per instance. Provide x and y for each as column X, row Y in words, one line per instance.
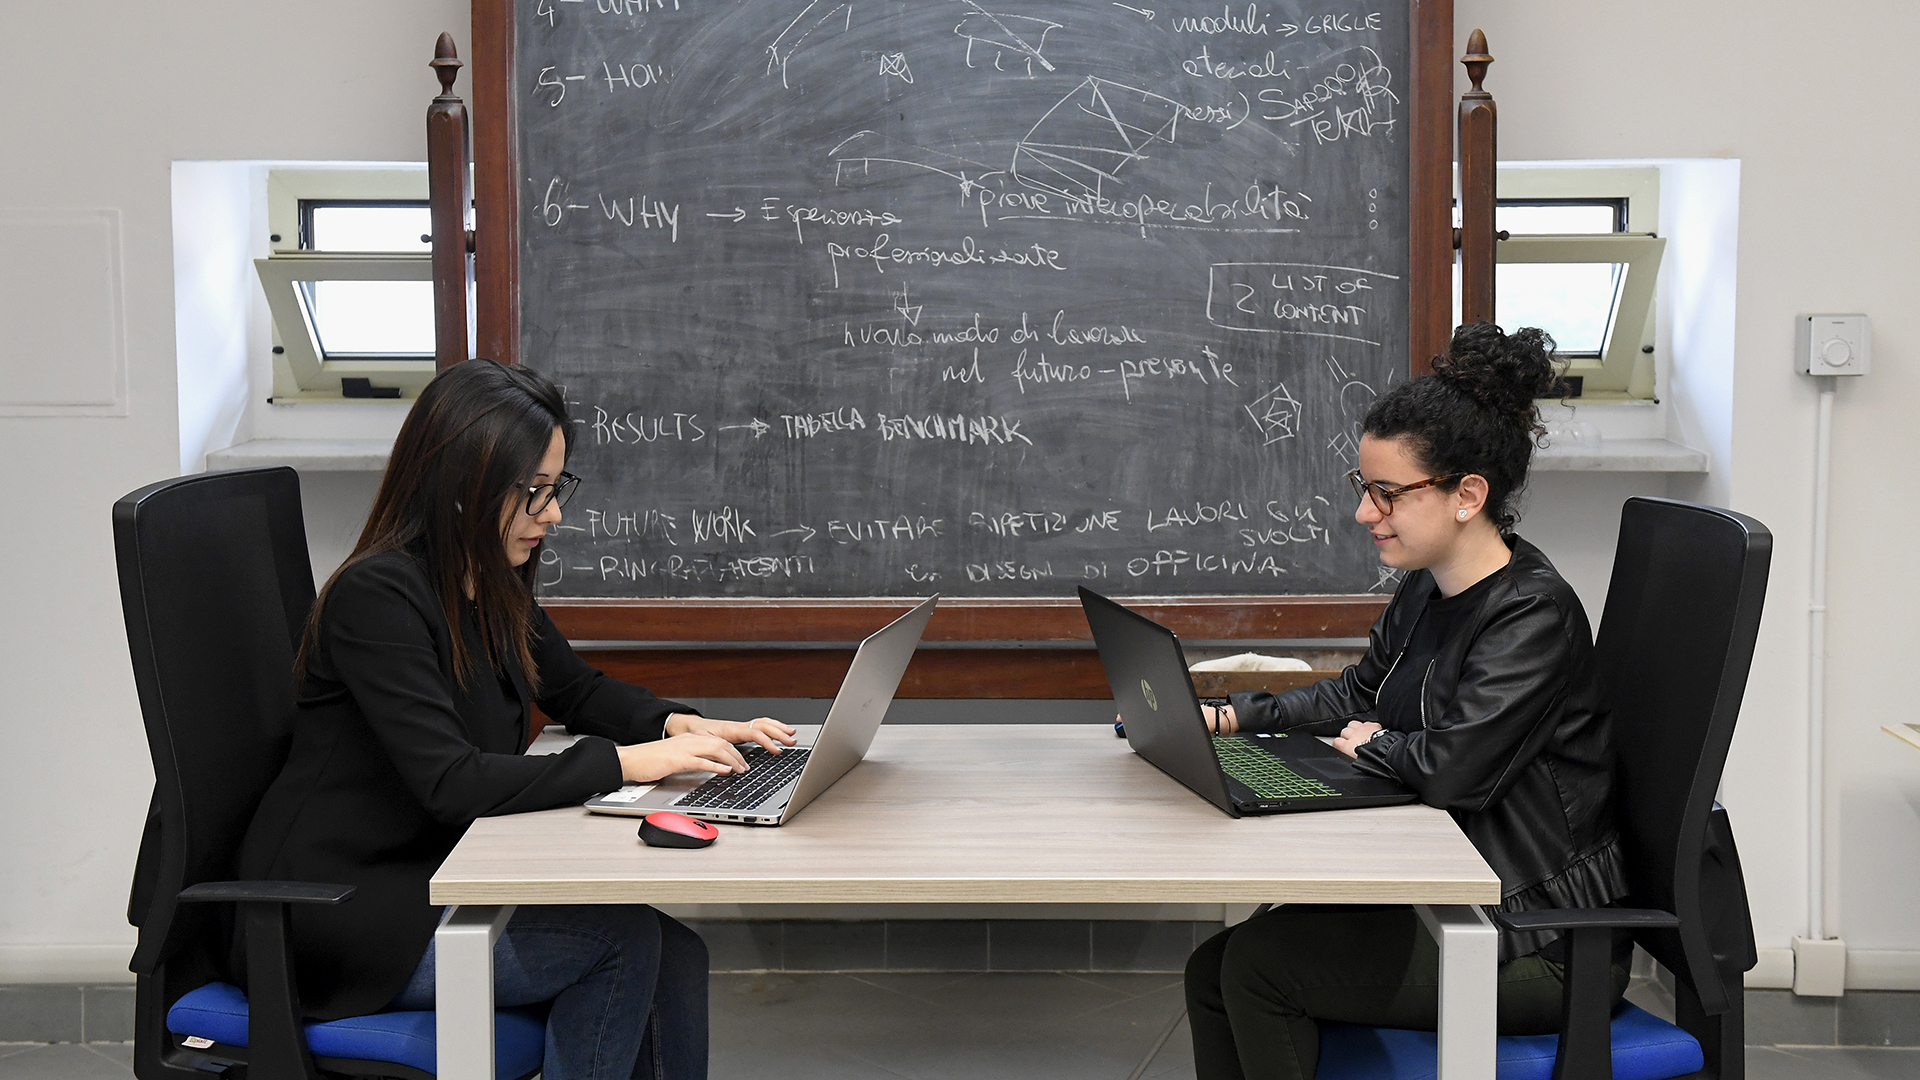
column 1383, row 494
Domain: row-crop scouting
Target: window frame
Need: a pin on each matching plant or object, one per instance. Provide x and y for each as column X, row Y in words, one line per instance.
column 1627, row 369
column 301, row 370
column 1618, row 370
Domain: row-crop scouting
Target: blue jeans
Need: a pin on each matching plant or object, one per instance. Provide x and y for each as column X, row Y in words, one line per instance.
column 628, row 987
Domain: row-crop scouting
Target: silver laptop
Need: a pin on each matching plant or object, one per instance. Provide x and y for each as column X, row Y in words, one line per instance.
column 776, row 786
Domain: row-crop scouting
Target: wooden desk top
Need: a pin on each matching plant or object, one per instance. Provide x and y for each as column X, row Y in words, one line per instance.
column 984, row 814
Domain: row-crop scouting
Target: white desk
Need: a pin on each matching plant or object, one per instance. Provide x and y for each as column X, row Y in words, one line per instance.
column 982, row 814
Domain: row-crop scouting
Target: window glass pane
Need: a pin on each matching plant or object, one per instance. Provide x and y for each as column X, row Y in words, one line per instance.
column 1557, row 218
column 1594, row 217
column 369, row 228
column 371, row 318
column 1572, row 301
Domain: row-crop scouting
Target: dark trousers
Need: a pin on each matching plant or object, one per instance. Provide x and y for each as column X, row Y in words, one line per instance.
column 1255, row 990
column 628, row 986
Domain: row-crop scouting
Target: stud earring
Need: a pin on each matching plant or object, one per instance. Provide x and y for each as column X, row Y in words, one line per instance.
column 1463, row 515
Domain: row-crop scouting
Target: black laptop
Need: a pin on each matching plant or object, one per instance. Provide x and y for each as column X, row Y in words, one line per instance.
column 1245, row 773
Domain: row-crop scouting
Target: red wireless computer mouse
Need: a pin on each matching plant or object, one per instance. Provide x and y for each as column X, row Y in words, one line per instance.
column 668, row 829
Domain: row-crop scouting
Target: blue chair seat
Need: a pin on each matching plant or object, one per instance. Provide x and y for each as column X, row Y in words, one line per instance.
column 1645, row 1047
column 218, row 1011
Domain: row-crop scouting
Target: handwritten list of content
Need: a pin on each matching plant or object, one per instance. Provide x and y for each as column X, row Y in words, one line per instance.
column 985, row 298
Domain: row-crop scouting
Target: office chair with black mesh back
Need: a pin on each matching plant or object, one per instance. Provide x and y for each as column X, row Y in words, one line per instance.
column 216, row 587
column 1674, row 647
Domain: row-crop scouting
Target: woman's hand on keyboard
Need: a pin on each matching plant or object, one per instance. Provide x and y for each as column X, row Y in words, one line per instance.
column 643, row 763
column 1355, row 733
column 764, row 730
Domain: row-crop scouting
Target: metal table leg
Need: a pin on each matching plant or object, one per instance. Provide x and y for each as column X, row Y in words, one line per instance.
column 1469, row 971
column 463, row 991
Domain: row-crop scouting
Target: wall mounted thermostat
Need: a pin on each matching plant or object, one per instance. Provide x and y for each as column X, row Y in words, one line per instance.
column 1834, row 345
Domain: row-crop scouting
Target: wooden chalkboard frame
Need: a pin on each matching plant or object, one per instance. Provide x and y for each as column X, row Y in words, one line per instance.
column 1021, row 647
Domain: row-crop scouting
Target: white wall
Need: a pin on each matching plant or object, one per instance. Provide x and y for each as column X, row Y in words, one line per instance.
column 1809, row 107
column 107, row 99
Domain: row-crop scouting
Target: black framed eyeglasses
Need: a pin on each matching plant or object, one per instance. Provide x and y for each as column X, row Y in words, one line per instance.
column 1384, row 494
column 540, row 496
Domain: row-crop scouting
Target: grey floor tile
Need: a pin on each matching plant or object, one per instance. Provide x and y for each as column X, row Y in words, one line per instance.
column 1783, row 1018
column 1880, row 1018
column 849, row 1008
column 1104, row 1044
column 1038, row 945
column 9, row 1049
column 107, row 1014
column 40, row 1014
column 748, row 1050
column 911, row 982
column 936, row 945
column 1831, row 1063
column 834, row 946
column 1175, row 1059
column 1130, row 983
column 1128, row 945
column 1878, row 1062
column 121, row 1052
column 63, row 1061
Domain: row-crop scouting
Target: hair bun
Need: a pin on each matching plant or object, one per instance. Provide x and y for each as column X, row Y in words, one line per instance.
column 1503, row 372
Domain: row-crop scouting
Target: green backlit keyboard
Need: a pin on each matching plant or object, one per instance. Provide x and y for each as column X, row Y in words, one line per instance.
column 1262, row 773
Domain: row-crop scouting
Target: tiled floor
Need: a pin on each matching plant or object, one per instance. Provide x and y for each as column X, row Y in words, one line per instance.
column 958, row 1027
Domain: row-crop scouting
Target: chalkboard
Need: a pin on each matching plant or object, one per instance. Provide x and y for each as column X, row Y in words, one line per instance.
column 990, row 299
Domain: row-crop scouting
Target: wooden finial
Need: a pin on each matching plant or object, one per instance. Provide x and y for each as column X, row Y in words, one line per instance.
column 1476, row 61
column 446, row 62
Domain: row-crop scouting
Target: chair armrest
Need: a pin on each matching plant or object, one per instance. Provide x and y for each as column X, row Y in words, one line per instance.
column 273, row 892
column 1584, row 918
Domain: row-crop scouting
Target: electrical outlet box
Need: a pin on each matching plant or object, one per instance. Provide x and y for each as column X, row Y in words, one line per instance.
column 1834, row 345
column 1819, row 967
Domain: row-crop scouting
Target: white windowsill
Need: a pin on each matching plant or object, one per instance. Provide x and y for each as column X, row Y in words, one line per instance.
column 307, row 455
column 1622, row 455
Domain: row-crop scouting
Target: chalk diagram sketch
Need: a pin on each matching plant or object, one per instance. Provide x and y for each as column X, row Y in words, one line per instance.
column 781, row 52
column 1354, row 397
column 1007, row 35
column 866, row 148
column 1090, row 135
column 1276, row 415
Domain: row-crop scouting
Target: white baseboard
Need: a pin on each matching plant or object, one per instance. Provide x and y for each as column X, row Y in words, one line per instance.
column 1883, row 969
column 1867, row 969
column 1773, row 972
column 93, row 965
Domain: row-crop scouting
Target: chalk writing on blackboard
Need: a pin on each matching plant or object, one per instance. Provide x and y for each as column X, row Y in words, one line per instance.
column 990, row 296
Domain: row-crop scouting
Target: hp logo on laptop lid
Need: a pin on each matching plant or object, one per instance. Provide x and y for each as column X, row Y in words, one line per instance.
column 1147, row 689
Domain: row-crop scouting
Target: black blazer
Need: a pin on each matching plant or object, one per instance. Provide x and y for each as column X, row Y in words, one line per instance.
column 391, row 761
column 1514, row 738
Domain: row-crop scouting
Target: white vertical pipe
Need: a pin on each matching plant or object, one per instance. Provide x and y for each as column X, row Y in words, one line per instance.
column 1817, row 920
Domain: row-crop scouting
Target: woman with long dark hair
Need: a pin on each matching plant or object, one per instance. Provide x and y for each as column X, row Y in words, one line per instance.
column 420, row 661
column 1478, row 690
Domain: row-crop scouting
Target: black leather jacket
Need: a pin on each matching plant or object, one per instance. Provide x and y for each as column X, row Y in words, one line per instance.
column 1513, row 739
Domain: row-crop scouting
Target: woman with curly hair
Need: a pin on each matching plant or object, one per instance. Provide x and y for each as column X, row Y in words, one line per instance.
column 1478, row 690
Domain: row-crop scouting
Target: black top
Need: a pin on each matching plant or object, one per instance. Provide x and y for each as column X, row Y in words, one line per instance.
column 1398, row 702
column 391, row 761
